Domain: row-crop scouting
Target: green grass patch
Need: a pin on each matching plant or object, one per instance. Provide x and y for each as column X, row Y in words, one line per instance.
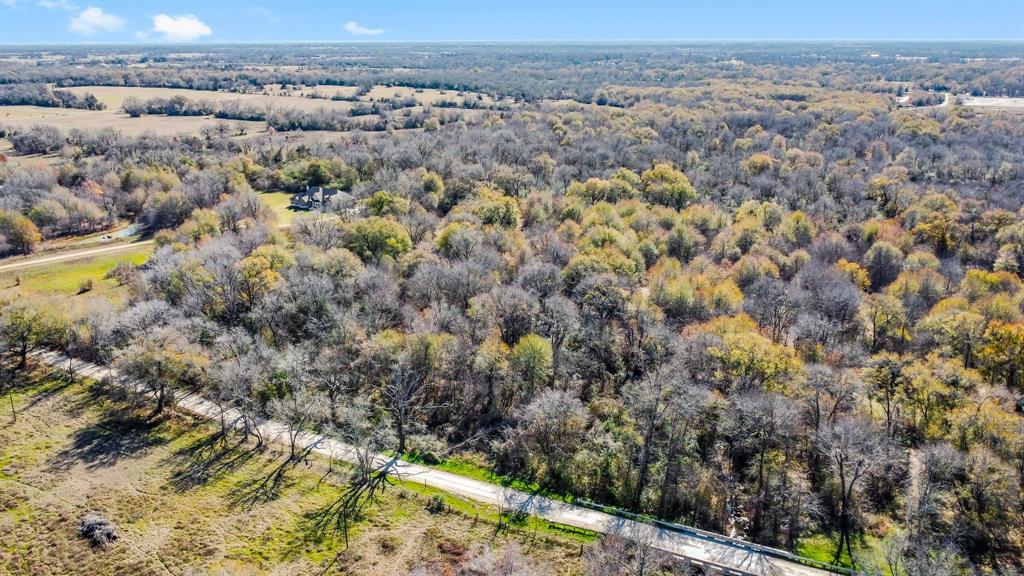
column 822, row 547
column 477, row 471
column 68, row 277
column 279, row 203
column 522, row 524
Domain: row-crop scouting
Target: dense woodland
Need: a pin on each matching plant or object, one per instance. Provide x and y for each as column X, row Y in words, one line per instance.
column 766, row 304
column 531, row 72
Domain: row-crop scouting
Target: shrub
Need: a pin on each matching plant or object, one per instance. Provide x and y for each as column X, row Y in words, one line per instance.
column 436, row 504
column 125, row 273
column 98, row 530
column 85, row 286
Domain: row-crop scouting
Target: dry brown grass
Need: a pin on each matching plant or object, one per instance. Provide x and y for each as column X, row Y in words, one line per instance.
column 183, row 504
column 113, row 97
column 69, row 119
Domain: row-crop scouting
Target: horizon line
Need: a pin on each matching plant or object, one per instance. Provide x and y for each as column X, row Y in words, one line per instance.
column 527, row 41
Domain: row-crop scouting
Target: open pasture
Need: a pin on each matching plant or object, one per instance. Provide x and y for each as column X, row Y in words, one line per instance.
column 113, row 97
column 71, row 119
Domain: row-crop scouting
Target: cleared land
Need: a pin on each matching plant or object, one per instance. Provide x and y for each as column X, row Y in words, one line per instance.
column 187, row 504
column 66, row 277
column 277, row 98
column 993, row 102
column 113, row 97
column 280, row 203
column 424, row 95
column 69, row 119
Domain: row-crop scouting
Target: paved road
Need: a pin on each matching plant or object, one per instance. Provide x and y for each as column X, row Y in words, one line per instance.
column 728, row 557
column 39, row 260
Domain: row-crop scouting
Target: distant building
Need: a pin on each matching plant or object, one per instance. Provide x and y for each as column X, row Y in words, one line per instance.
column 319, row 198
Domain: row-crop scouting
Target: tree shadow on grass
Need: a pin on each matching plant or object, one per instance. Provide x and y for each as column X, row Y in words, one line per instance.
column 261, row 488
column 329, row 525
column 515, row 509
column 95, row 393
column 121, row 434
column 206, row 460
column 44, row 386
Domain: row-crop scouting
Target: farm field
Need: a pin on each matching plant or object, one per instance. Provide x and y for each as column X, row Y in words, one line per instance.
column 68, row 119
column 424, row 96
column 113, row 97
column 25, row 116
column 320, row 90
column 993, row 102
column 278, row 96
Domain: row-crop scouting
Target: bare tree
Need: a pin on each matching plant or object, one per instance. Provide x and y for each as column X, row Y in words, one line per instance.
column 320, row 230
column 367, row 438
column 616, row 555
column 302, row 405
column 161, row 361
column 559, row 320
column 403, row 389
column 652, row 397
column 774, row 304
column 855, row 449
column 549, row 432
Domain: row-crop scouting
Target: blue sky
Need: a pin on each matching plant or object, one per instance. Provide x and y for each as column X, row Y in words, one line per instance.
column 102, row 21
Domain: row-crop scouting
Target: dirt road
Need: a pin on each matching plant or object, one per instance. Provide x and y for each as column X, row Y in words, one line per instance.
column 19, row 262
column 729, row 556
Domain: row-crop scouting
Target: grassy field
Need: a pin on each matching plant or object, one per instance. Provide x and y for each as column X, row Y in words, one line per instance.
column 67, row 278
column 113, row 117
column 113, row 97
column 279, row 202
column 424, row 96
column 68, row 119
column 186, row 504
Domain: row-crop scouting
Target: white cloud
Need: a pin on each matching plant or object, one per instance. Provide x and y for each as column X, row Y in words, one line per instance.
column 360, row 30
column 9, row 3
column 93, row 20
column 180, row 28
column 265, row 13
column 62, row 4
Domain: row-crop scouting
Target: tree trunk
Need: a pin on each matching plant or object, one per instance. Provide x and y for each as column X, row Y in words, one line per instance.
column 645, row 457
column 844, row 526
column 400, row 430
column 489, row 397
column 671, row 469
column 159, row 402
column 759, row 509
